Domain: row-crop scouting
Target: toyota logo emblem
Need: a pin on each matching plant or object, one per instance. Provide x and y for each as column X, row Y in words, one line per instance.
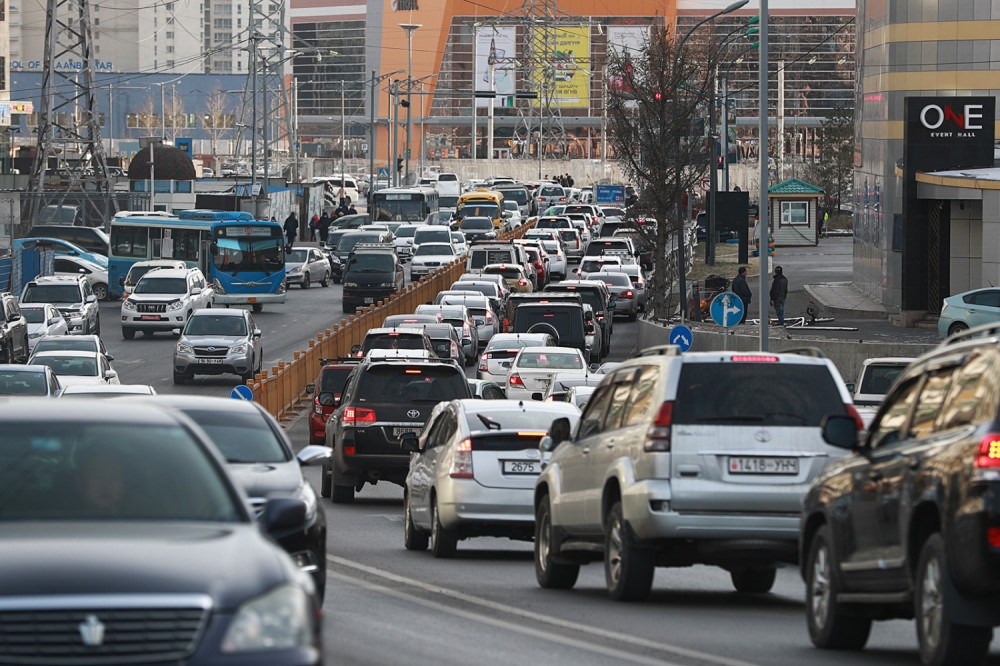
column 532, row 453
column 413, row 413
column 762, row 436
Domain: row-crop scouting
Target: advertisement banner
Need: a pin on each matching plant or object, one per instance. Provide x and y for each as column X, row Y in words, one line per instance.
column 629, row 41
column 570, row 62
column 503, row 46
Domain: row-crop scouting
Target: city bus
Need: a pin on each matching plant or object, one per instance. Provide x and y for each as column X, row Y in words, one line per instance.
column 482, row 203
column 403, row 204
column 242, row 258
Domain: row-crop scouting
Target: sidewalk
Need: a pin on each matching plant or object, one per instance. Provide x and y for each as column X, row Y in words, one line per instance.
column 842, row 299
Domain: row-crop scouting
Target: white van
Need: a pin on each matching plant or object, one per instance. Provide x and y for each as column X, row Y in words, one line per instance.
column 449, row 190
column 484, row 254
column 334, row 184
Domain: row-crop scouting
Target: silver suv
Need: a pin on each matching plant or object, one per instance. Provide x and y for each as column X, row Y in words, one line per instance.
column 218, row 341
column 74, row 298
column 701, row 458
column 163, row 300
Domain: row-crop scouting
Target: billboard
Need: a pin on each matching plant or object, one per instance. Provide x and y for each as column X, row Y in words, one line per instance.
column 501, row 38
column 570, row 62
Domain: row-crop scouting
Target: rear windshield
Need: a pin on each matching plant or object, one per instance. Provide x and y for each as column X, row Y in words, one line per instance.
column 23, row 382
column 568, row 322
column 589, row 295
column 241, row 438
column 490, row 290
column 767, row 393
column 553, row 223
column 34, row 315
column 348, row 242
column 476, row 224
column 52, row 293
column 509, row 273
column 877, row 379
column 538, row 421
column 550, row 359
column 371, row 262
column 393, row 341
column 550, row 191
column 520, row 196
column 442, row 235
column 475, row 209
column 568, row 235
column 65, row 343
column 400, row 384
column 405, row 231
column 334, row 379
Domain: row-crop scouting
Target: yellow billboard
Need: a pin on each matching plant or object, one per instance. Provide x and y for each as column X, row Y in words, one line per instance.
column 565, row 51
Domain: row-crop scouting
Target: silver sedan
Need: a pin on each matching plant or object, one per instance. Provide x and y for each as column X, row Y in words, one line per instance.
column 306, row 265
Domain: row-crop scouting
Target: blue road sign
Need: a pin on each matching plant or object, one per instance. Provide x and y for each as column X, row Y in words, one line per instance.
column 727, row 309
column 383, row 172
column 682, row 337
column 611, row 194
column 184, row 144
column 242, row 392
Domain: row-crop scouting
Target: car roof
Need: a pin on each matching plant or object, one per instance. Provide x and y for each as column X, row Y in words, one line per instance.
column 140, row 414
column 61, row 277
column 168, row 272
column 123, row 389
column 398, row 329
column 17, row 367
column 81, row 353
column 550, row 349
column 220, row 312
column 201, row 402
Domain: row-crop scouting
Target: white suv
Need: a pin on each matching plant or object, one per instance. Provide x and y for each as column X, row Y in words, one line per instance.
column 700, row 458
column 74, row 298
column 163, row 300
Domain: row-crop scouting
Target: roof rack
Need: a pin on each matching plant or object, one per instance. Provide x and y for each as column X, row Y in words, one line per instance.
column 339, row 359
column 660, row 350
column 814, row 352
column 983, row 331
column 373, row 246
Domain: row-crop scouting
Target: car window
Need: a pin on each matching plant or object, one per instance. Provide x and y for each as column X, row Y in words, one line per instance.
column 619, row 401
column 400, row 384
column 642, row 405
column 886, row 430
column 973, row 396
column 987, row 298
column 593, row 415
column 22, row 382
column 154, row 285
column 929, row 403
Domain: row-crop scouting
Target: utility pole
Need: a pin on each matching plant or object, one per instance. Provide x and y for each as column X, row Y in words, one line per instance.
column 395, row 132
column 410, row 28
column 372, row 133
column 343, row 133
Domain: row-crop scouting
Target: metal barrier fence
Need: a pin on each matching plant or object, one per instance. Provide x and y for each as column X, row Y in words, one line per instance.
column 282, row 389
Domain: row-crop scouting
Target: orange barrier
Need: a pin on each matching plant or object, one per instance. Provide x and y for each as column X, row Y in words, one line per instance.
column 281, row 391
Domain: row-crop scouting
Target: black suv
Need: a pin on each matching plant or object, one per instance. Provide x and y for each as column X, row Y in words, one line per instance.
column 595, row 294
column 383, row 399
column 372, row 273
column 908, row 526
column 562, row 320
column 13, row 331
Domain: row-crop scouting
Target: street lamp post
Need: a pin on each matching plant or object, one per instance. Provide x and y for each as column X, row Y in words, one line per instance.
column 343, row 133
column 373, row 130
column 762, row 294
column 410, row 28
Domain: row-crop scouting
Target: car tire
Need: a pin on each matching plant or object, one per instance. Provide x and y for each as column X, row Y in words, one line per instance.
column 940, row 641
column 101, row 291
column 305, row 281
column 128, row 333
column 550, row 575
column 957, row 327
column 326, row 483
column 342, row 494
column 444, row 542
column 181, row 378
column 830, row 627
column 753, row 580
column 628, row 569
column 97, row 328
column 257, row 308
column 248, row 375
column 413, row 538
column 326, row 279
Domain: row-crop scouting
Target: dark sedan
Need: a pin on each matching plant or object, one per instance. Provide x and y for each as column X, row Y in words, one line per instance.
column 115, row 522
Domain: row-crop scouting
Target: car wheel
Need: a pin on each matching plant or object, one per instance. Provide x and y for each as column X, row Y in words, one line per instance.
column 305, row 281
column 957, row 327
column 257, row 307
column 830, row 627
column 753, row 580
column 413, row 538
column 181, row 378
column 248, row 375
column 342, row 494
column 550, row 575
column 101, row 292
column 444, row 542
column 128, row 333
column 941, row 641
column 326, row 279
column 628, row 569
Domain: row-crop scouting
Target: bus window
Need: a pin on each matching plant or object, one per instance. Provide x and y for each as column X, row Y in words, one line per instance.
column 129, row 242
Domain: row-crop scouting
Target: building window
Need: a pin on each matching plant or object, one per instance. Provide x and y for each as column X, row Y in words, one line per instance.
column 170, row 35
column 97, row 21
column 170, row 63
column 170, row 20
column 170, row 48
column 794, row 213
column 3, row 73
column 223, row 37
column 223, row 24
column 224, row 10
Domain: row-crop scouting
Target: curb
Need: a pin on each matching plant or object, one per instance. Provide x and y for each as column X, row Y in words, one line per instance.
column 848, row 313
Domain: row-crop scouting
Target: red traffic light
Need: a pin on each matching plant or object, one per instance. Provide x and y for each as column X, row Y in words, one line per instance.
column 658, row 96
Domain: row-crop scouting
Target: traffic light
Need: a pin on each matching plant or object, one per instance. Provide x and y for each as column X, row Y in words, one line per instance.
column 399, row 164
column 720, row 162
column 658, row 96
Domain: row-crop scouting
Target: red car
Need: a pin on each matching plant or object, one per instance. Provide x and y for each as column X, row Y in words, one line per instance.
column 326, row 396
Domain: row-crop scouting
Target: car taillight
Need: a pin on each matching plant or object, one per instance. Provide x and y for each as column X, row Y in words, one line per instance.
column 858, row 421
column 578, row 242
column 515, row 380
column 993, row 536
column 483, row 367
column 466, row 331
column 627, row 294
column 522, row 282
column 359, row 415
column 658, row 434
column 989, row 452
column 317, row 408
column 461, row 463
column 489, row 317
column 454, row 350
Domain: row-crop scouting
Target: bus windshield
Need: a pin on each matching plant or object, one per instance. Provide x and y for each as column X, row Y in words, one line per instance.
column 259, row 255
column 405, row 211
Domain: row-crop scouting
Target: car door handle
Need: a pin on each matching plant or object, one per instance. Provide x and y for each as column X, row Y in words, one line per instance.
column 875, row 476
column 585, row 450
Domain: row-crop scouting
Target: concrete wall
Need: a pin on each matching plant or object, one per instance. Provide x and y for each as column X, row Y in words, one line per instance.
column 847, row 355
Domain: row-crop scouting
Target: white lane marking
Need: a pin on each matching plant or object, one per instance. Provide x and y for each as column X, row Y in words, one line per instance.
column 617, row 655
column 538, row 617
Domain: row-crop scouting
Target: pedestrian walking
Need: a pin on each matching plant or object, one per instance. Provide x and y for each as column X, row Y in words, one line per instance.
column 291, row 228
column 324, row 227
column 742, row 289
column 314, row 227
column 778, row 294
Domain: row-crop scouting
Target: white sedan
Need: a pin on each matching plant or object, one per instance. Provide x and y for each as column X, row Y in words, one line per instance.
column 77, row 367
column 533, row 368
column 429, row 257
column 43, row 319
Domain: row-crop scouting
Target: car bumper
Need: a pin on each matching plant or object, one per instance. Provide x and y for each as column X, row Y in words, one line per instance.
column 296, row 278
column 165, row 321
column 388, row 461
column 625, row 306
column 465, row 501
column 365, row 296
column 248, row 299
column 231, row 365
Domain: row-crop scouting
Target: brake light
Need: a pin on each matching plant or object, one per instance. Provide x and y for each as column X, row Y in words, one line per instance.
column 461, row 463
column 515, row 380
column 989, row 452
column 348, row 450
column 755, row 358
column 483, row 367
column 522, row 282
column 658, row 434
column 317, row 408
column 993, row 536
column 853, row 413
column 359, row 415
column 466, row 332
column 627, row 294
column 489, row 317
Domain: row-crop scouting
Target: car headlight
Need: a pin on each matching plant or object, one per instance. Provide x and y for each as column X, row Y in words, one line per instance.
column 38, row 334
column 128, row 305
column 184, row 349
column 217, row 286
column 175, row 305
column 350, row 284
column 238, row 349
column 387, row 285
column 294, row 271
column 277, row 620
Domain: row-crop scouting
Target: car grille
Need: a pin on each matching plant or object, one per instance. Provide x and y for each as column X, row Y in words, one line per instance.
column 68, row 631
column 151, row 307
column 211, row 351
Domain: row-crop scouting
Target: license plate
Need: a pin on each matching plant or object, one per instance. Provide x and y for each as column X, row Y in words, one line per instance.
column 211, row 360
column 369, row 299
column 398, row 432
column 763, row 465
column 150, row 317
column 545, row 382
column 522, row 467
column 252, row 299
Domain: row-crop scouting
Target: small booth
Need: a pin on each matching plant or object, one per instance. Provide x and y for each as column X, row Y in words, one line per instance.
column 794, row 213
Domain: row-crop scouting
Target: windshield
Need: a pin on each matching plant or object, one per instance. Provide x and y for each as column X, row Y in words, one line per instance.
column 476, row 224
column 443, row 312
column 511, row 342
column 348, row 242
column 65, row 343
column 222, row 325
column 447, row 202
column 137, row 272
column 22, row 382
column 52, row 293
column 613, row 279
column 102, row 475
column 155, row 285
column 75, row 366
column 613, row 212
column 422, row 236
column 370, row 262
column 34, row 315
column 405, row 232
column 548, row 359
column 487, row 289
column 518, row 196
column 333, row 240
column 408, row 211
column 297, row 256
column 509, row 420
column 402, row 385
column 241, row 438
column 877, row 378
column 234, row 255
column 509, row 273
column 476, row 209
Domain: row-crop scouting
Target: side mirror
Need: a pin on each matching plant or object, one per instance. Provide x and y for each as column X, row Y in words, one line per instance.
column 314, row 454
column 355, row 349
column 54, row 320
column 196, row 291
column 559, row 431
column 328, row 400
column 91, row 299
column 589, row 327
column 594, row 367
column 282, row 514
column 409, row 441
column 175, row 331
column 840, row 431
column 546, row 445
column 310, row 388
column 110, row 374
column 109, row 357
column 257, row 333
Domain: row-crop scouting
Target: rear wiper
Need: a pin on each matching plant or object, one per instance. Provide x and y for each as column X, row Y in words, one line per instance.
column 488, row 422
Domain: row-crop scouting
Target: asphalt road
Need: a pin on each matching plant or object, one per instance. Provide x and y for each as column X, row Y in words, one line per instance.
column 385, row 605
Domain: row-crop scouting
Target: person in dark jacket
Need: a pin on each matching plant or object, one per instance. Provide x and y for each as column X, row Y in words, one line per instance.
column 324, row 227
column 742, row 289
column 778, row 294
column 291, row 228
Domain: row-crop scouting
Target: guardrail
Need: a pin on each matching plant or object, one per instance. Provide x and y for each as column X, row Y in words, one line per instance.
column 281, row 390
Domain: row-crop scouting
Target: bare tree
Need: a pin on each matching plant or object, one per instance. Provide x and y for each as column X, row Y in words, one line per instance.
column 217, row 121
column 176, row 119
column 657, row 105
column 146, row 120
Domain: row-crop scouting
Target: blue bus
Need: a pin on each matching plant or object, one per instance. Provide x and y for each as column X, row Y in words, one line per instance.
column 242, row 258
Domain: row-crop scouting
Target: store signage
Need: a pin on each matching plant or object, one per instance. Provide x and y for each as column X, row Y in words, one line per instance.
column 943, row 121
column 951, row 121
